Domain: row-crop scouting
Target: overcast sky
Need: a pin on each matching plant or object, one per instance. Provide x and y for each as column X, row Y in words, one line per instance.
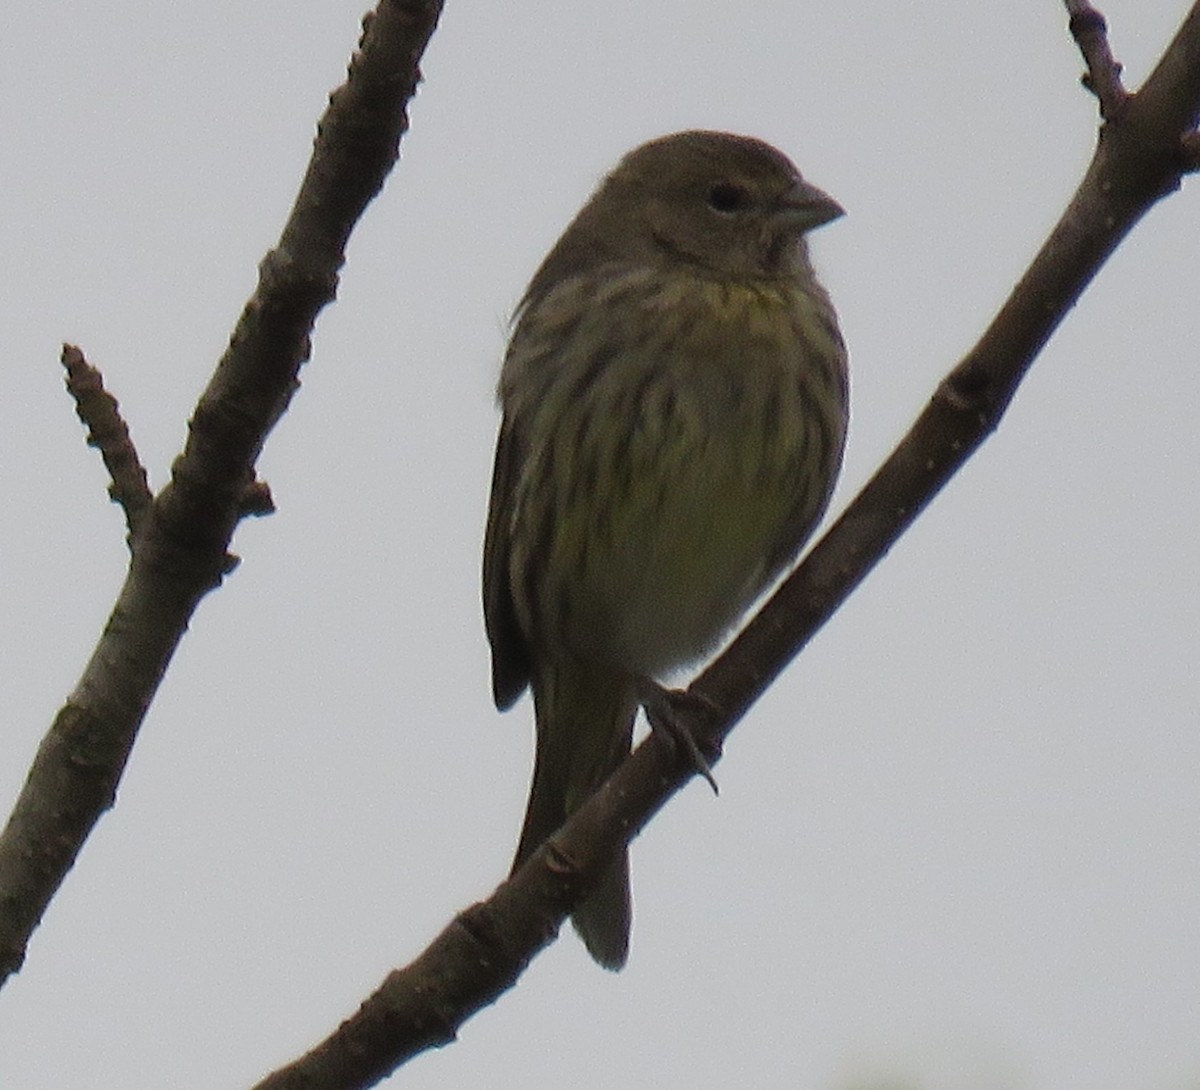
column 957, row 846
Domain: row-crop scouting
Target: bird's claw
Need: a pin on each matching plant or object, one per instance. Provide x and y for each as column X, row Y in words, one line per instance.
column 666, row 713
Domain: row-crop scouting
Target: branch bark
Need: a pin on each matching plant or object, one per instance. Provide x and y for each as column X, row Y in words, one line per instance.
column 98, row 410
column 179, row 547
column 1140, row 157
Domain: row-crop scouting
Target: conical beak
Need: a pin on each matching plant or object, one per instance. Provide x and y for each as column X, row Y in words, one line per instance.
column 809, row 207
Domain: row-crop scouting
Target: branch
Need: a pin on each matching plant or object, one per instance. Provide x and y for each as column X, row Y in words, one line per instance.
column 108, row 433
column 1103, row 75
column 179, row 549
column 1140, row 157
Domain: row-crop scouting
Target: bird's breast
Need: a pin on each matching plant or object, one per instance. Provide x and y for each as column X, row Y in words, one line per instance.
column 678, row 461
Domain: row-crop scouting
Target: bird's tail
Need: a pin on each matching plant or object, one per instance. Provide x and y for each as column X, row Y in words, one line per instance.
column 584, row 730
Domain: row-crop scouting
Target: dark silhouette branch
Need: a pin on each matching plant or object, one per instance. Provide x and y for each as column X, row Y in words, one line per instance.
column 1103, row 75
column 179, row 549
column 1140, row 157
column 109, row 434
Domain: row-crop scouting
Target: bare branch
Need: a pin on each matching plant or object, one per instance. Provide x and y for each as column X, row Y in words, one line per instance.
column 1168, row 104
column 179, row 549
column 1103, row 75
column 109, row 434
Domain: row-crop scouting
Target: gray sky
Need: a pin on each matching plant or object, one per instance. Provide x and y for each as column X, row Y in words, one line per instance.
column 958, row 845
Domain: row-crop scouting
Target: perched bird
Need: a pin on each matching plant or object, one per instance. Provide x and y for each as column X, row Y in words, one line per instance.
column 674, row 402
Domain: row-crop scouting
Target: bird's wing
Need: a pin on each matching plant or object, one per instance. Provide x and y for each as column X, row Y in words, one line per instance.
column 510, row 648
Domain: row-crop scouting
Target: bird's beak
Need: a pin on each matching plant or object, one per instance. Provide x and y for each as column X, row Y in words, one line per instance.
column 809, row 207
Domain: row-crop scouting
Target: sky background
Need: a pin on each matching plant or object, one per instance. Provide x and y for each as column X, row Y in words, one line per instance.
column 957, row 845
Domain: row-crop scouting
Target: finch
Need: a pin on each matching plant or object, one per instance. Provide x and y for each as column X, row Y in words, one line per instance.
column 674, row 400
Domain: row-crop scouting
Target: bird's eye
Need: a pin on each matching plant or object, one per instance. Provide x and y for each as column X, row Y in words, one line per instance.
column 728, row 197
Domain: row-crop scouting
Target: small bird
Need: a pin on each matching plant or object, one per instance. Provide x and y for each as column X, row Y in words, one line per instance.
column 674, row 400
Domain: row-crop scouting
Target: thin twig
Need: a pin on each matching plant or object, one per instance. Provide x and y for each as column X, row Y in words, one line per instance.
column 1103, row 75
column 108, row 433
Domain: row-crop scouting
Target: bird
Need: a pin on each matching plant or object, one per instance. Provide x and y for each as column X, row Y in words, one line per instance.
column 674, row 407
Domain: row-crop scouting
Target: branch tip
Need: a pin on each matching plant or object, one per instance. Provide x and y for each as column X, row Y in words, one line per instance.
column 107, row 431
column 1103, row 76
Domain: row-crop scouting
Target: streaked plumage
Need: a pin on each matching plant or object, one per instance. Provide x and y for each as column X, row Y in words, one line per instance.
column 675, row 405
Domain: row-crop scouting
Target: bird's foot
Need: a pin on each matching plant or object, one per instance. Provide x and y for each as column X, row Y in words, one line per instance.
column 668, row 711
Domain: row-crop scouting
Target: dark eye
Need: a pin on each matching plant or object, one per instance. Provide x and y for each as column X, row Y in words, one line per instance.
column 728, row 197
